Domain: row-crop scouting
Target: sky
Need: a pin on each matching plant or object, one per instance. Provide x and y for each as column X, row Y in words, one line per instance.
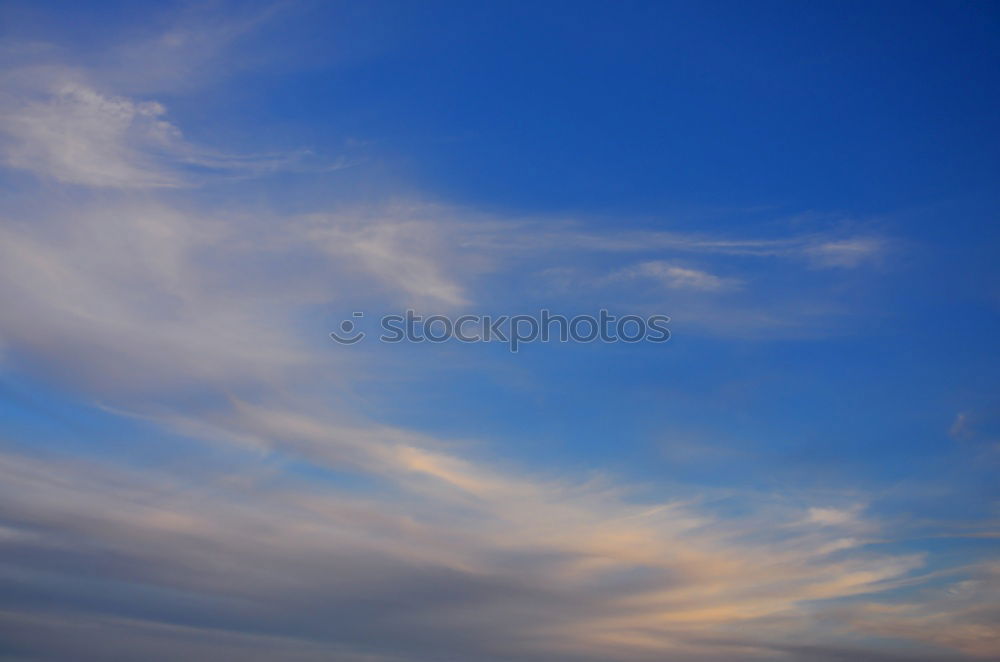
column 194, row 195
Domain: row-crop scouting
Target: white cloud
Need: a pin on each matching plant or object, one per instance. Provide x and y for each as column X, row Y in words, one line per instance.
column 846, row 253
column 55, row 124
column 676, row 277
column 409, row 256
column 139, row 296
column 833, row 516
column 76, row 135
column 824, row 249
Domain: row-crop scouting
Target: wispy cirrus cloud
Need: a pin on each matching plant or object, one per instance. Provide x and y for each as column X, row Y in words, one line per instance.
column 541, row 569
column 297, row 526
column 846, row 253
column 57, row 125
column 128, row 302
column 403, row 248
column 833, row 248
column 75, row 135
column 677, row 277
column 120, row 297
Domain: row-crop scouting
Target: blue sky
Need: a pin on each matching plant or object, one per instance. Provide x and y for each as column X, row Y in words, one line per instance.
column 194, row 196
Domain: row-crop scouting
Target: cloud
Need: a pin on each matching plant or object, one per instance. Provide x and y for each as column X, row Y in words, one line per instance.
column 832, row 516
column 442, row 556
column 400, row 247
column 676, row 277
column 126, row 294
column 103, row 637
column 846, row 253
column 56, row 125
column 978, row 430
column 190, row 47
column 980, row 425
column 958, row 614
column 76, row 135
column 130, row 297
column 291, row 525
column 821, row 249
